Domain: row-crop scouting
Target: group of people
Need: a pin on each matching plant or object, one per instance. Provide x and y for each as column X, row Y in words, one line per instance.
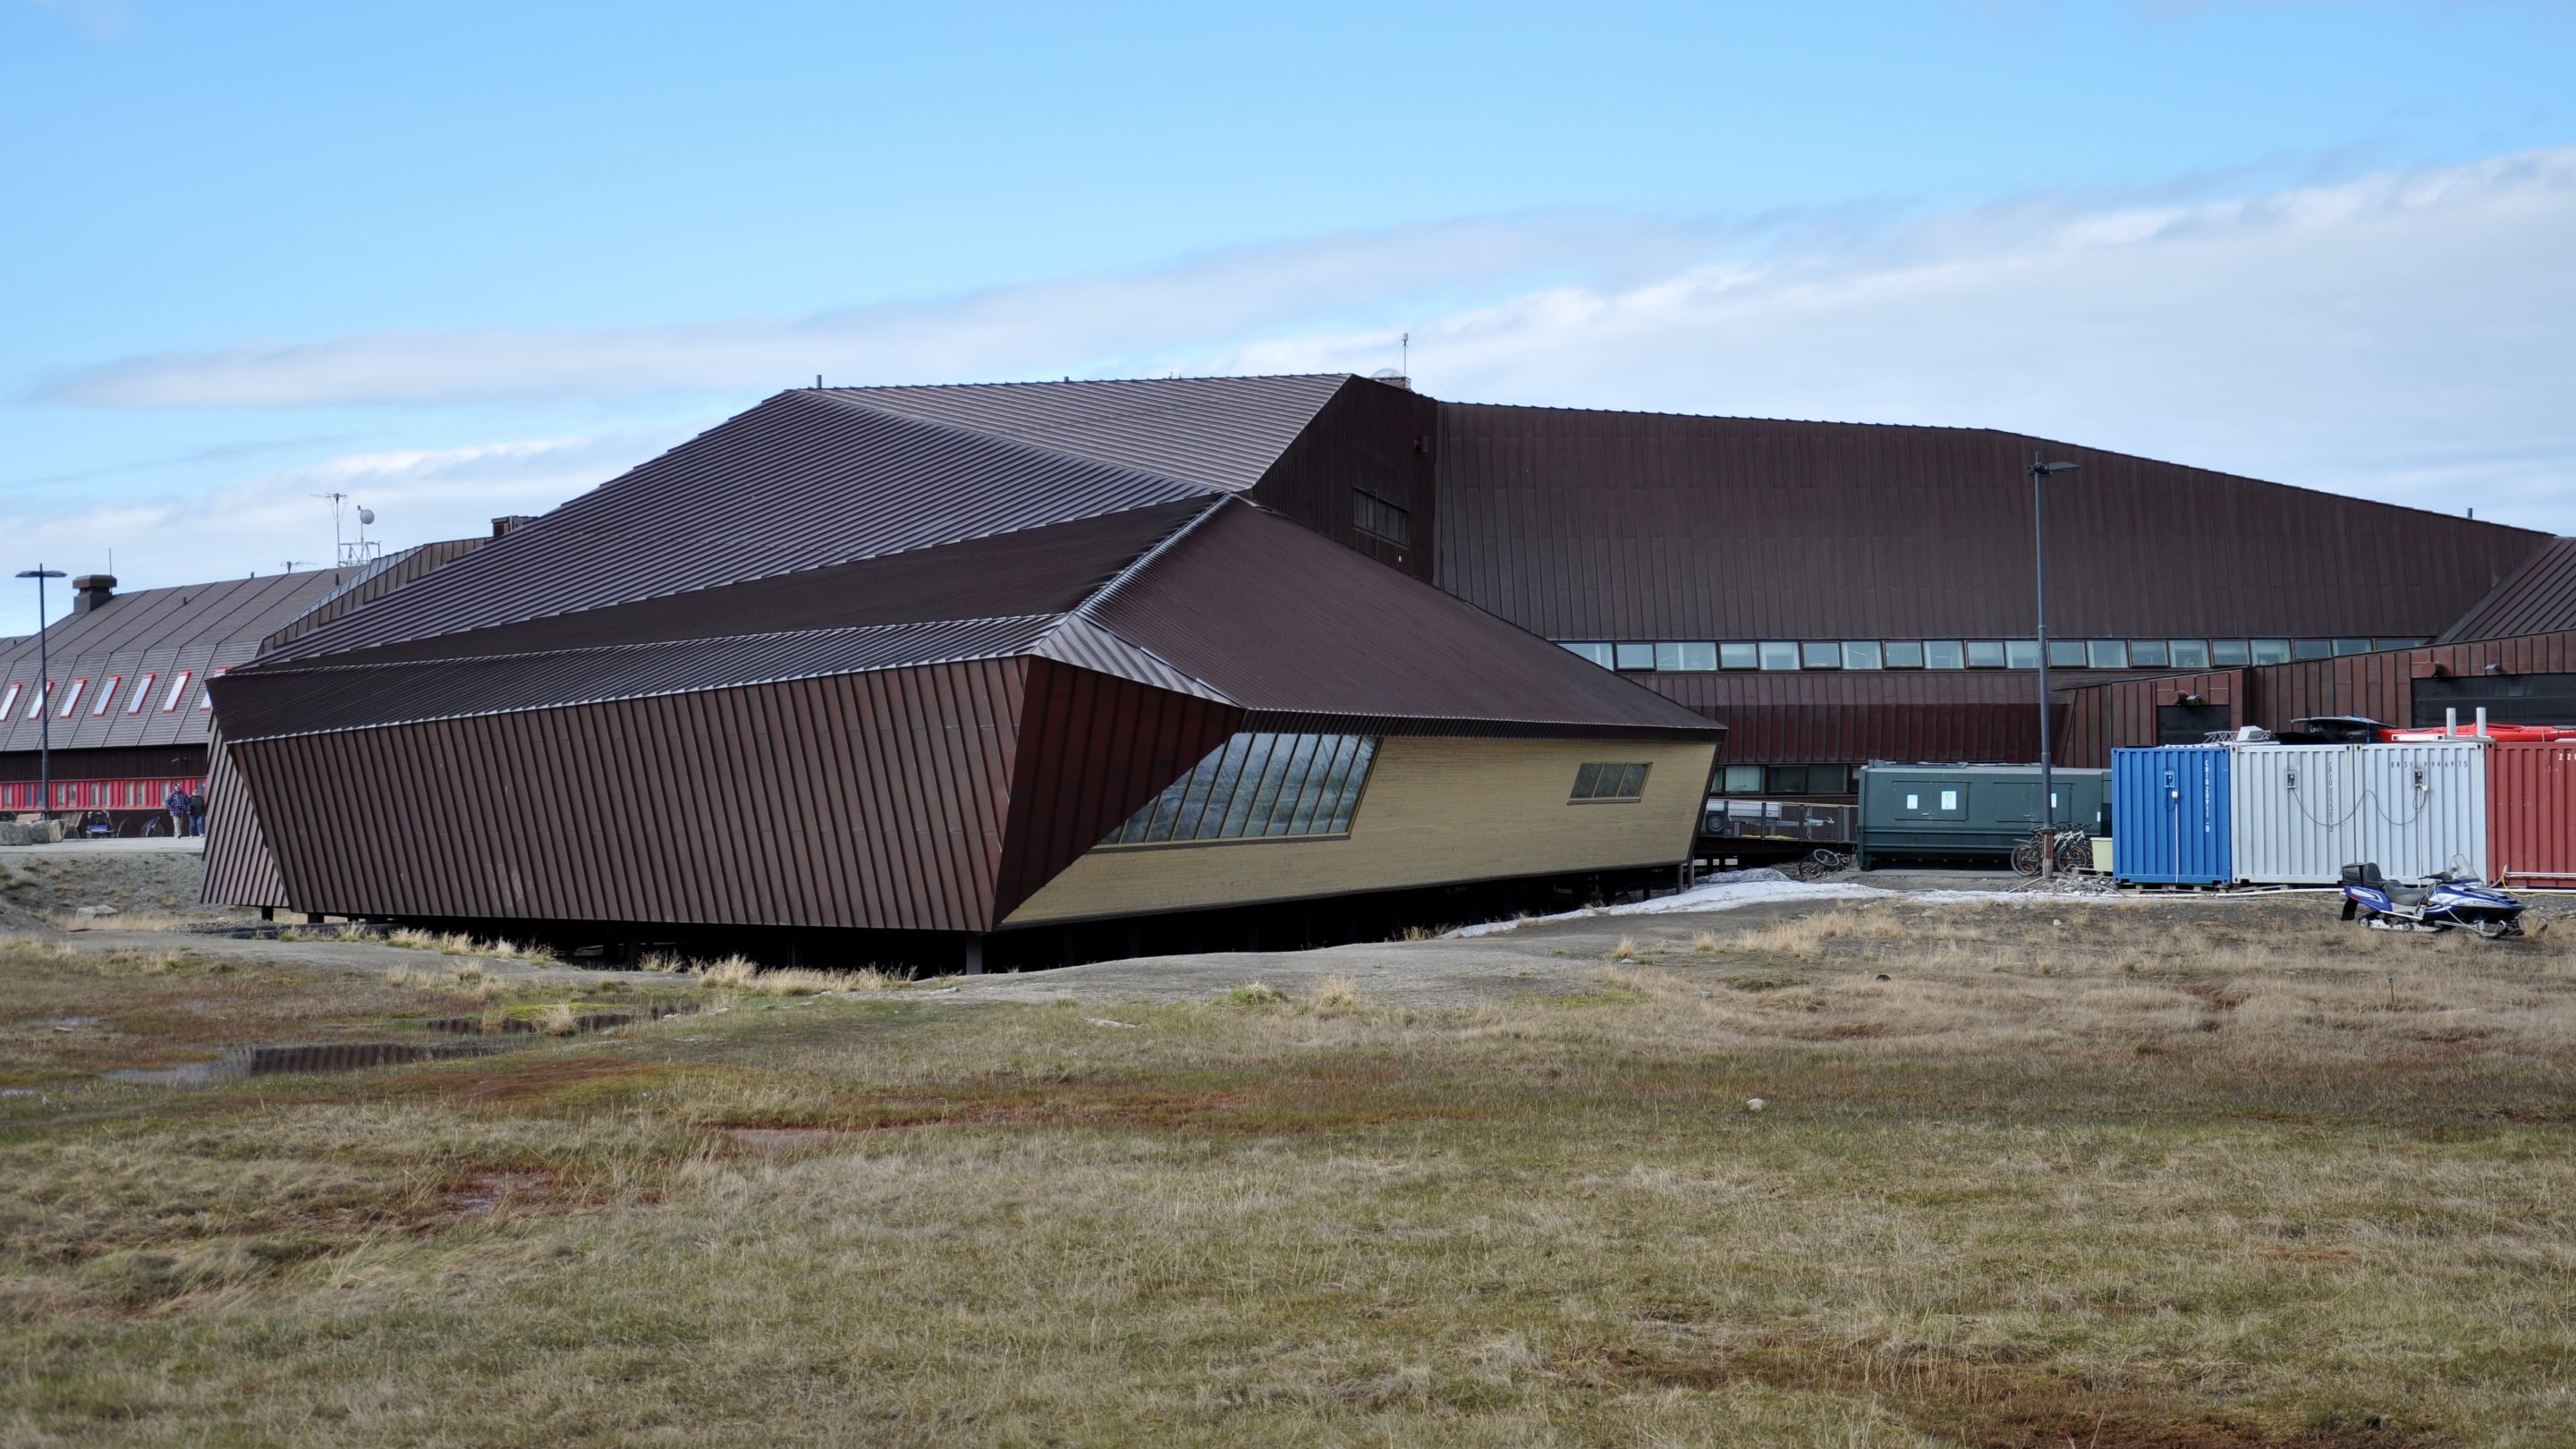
column 187, row 810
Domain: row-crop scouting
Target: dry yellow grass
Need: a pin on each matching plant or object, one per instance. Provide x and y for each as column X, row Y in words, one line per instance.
column 740, row 973
column 2063, row 1178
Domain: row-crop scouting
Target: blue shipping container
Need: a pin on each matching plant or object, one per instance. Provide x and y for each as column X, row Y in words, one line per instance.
column 2171, row 815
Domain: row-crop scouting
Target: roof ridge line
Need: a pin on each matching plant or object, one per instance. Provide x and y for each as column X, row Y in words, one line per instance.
column 1109, row 590
column 298, row 667
column 1008, row 440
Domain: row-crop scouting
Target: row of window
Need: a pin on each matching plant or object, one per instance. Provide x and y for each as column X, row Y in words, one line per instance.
column 1785, row 780
column 1609, row 782
column 1708, row 657
column 1257, row 785
column 106, row 696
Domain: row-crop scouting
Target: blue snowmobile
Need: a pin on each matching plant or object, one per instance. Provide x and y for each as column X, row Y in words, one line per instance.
column 2449, row 898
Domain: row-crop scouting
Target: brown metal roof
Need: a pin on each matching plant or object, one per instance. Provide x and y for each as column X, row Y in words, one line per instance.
column 1217, row 432
column 2539, row 598
column 373, row 582
column 1603, row 525
column 193, row 627
column 798, row 482
column 1290, row 624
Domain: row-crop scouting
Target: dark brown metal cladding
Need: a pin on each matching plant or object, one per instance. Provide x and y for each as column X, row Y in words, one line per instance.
column 1827, row 717
column 240, row 870
column 1285, row 622
column 705, row 808
column 1094, row 749
column 800, row 482
column 2540, row 598
column 1371, row 436
column 1607, row 526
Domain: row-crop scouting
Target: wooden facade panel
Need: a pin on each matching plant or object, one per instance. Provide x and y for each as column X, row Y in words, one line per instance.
column 1434, row 811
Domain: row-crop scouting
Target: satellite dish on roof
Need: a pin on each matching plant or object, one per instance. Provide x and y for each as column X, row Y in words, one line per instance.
column 366, row 515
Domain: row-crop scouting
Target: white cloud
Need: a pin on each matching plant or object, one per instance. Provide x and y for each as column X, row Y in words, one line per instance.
column 1075, row 325
column 2401, row 336
column 257, row 525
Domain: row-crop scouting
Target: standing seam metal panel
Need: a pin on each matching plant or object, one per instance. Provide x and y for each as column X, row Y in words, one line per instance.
column 2304, row 812
column 2171, row 815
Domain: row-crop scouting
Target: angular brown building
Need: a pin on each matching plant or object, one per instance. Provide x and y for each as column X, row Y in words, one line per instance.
column 948, row 664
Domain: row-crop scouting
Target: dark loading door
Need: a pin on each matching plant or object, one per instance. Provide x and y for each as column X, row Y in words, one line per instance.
column 2507, row 698
column 2188, row 724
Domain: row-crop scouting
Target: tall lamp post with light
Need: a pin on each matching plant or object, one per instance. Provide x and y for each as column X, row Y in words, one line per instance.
column 44, row 694
column 2040, row 473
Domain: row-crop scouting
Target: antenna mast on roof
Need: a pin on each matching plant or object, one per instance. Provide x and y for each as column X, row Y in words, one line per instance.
column 1404, row 353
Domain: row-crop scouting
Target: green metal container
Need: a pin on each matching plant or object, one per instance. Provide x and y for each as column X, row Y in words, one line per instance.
column 1967, row 814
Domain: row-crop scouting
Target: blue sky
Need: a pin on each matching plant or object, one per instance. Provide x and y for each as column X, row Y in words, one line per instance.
column 468, row 259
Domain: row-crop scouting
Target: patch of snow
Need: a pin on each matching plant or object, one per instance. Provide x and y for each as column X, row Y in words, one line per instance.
column 1730, row 890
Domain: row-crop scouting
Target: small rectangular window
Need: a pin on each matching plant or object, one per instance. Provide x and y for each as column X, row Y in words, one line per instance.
column 142, row 691
column 2187, row 653
column 2396, row 643
column 2228, row 653
column 2021, row 653
column 1777, row 654
column 2147, row 654
column 36, row 706
column 1377, row 517
column 1904, row 654
column 9, row 701
column 1743, row 780
column 1820, row 654
column 1862, row 654
column 1598, row 653
column 71, row 697
column 2107, row 654
column 1787, row 780
column 1985, row 654
column 2271, row 651
column 2312, row 649
column 1829, row 779
column 1685, row 658
column 106, row 695
column 2352, row 646
column 1949, row 802
column 1913, row 802
column 178, row 687
column 1614, row 782
column 1738, row 656
column 1636, row 656
column 2065, row 653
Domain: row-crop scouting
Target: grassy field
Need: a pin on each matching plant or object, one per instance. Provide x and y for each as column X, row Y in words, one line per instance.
column 2053, row 1176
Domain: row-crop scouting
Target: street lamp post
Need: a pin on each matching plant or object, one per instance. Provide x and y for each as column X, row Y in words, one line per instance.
column 2039, row 475
column 44, row 694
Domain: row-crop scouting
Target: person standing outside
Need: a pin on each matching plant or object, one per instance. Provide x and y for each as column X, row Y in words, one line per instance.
column 176, row 802
column 197, row 811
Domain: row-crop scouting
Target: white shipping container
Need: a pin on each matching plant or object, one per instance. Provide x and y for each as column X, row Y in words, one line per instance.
column 2304, row 812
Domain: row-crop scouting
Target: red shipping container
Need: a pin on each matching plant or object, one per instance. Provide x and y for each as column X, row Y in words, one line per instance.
column 2531, row 813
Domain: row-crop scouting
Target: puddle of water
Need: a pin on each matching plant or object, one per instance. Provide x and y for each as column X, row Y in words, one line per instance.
column 312, row 1058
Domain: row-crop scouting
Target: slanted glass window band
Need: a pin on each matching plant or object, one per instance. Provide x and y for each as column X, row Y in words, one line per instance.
column 1256, row 786
column 1616, row 783
column 1377, row 517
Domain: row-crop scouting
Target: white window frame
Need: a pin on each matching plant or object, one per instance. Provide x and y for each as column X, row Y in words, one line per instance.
column 142, row 690
column 71, row 697
column 178, row 689
column 9, row 701
column 107, row 695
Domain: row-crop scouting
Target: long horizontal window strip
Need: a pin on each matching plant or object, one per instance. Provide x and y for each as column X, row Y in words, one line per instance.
column 1258, row 786
column 1785, row 780
column 1609, row 783
column 1791, row 656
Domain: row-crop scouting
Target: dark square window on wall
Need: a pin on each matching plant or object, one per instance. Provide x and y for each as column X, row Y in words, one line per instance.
column 1905, row 654
column 2312, row 649
column 1787, row 780
column 1636, row 656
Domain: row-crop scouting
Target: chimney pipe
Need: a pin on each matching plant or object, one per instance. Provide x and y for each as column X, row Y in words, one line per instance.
column 90, row 591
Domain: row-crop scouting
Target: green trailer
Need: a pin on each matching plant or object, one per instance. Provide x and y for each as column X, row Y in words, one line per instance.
column 1968, row 814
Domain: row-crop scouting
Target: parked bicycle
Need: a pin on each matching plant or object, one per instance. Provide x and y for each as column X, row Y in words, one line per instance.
column 2072, row 851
